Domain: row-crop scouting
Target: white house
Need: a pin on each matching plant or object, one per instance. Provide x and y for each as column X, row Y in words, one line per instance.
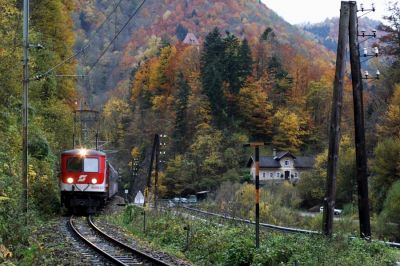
column 281, row 166
column 191, row 39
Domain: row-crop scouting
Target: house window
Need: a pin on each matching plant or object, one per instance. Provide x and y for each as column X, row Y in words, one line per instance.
column 263, row 175
column 271, row 175
column 286, row 162
column 295, row 174
column 278, row 175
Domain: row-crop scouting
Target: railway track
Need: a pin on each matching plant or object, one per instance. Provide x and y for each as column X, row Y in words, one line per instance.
column 270, row 226
column 108, row 247
column 246, row 221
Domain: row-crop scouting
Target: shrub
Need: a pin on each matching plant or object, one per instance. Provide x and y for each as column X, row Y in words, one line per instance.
column 389, row 219
column 39, row 148
column 239, row 252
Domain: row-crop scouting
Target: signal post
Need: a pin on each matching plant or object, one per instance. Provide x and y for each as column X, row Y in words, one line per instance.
column 256, row 146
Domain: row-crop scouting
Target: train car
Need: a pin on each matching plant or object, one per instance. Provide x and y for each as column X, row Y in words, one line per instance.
column 87, row 180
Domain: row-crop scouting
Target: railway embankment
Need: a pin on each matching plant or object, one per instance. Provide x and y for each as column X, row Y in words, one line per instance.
column 212, row 241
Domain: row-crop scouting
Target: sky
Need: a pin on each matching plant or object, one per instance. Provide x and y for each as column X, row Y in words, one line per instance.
column 301, row 11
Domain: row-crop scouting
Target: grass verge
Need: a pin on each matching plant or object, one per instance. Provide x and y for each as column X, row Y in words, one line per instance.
column 207, row 242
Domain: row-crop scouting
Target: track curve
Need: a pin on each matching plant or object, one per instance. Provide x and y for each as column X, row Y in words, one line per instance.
column 108, row 247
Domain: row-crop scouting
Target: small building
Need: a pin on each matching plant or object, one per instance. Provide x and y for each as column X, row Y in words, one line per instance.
column 139, row 199
column 281, row 166
column 191, row 39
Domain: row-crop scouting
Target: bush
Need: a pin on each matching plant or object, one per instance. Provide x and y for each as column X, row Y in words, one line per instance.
column 240, row 252
column 389, row 219
column 39, row 148
column 44, row 190
column 385, row 170
column 275, row 251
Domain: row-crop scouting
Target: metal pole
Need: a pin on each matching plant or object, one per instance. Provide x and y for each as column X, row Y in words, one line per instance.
column 257, row 158
column 144, row 220
column 187, row 228
column 97, row 121
column 148, row 183
column 361, row 156
column 157, row 146
column 133, row 173
column 74, row 130
column 132, row 179
column 334, row 133
column 257, row 145
column 25, row 109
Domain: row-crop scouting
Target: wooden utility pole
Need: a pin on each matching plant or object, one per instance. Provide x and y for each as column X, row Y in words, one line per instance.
column 25, row 110
column 256, row 146
column 361, row 156
column 334, row 134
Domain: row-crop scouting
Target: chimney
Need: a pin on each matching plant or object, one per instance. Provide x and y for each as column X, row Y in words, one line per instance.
column 274, row 152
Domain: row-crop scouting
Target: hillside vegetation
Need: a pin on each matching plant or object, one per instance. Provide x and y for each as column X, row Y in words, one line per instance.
column 234, row 88
column 49, row 117
column 211, row 243
column 168, row 21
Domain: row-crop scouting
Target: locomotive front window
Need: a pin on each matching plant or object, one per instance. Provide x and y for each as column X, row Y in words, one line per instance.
column 77, row 164
column 74, row 164
column 91, row 165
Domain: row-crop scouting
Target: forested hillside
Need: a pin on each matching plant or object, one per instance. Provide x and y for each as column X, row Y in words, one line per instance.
column 264, row 90
column 209, row 101
column 49, row 114
column 168, row 21
column 326, row 32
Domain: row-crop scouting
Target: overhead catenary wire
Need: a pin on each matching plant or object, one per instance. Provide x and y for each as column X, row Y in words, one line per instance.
column 50, row 70
column 115, row 37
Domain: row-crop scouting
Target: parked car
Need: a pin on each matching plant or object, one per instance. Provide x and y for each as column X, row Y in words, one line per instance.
column 176, row 200
column 192, row 199
column 180, row 200
column 335, row 211
column 183, row 200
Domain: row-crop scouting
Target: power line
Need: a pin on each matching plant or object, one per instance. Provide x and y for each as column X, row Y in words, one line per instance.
column 115, row 37
column 108, row 16
column 40, row 76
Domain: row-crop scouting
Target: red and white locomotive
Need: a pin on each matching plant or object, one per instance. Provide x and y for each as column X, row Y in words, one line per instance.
column 87, row 180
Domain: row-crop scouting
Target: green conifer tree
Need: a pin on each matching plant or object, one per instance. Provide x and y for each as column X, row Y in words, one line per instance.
column 231, row 63
column 182, row 99
column 212, row 70
column 245, row 62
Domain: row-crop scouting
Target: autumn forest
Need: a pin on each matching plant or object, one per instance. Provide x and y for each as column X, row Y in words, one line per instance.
column 249, row 76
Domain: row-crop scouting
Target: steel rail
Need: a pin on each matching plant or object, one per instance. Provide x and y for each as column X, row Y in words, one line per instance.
column 270, row 226
column 93, row 246
column 277, row 227
column 392, row 244
column 124, row 246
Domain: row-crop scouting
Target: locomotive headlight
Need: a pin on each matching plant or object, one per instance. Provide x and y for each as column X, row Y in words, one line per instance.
column 94, row 181
column 70, row 180
column 82, row 152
